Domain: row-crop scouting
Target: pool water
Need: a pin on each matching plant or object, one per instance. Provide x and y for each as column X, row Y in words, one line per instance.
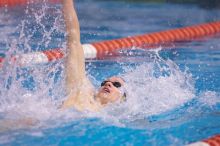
column 173, row 94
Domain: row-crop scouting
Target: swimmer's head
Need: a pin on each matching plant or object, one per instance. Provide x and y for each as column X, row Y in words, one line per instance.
column 111, row 90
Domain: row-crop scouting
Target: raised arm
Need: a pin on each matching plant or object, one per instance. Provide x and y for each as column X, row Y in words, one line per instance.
column 79, row 88
column 75, row 62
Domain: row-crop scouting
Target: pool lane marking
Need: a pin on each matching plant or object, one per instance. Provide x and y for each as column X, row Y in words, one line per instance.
column 99, row 50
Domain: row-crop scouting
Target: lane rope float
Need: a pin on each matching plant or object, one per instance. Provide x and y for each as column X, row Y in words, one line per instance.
column 99, row 50
column 212, row 141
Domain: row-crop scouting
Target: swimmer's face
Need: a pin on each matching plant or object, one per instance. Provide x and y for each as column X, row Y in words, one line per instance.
column 110, row 90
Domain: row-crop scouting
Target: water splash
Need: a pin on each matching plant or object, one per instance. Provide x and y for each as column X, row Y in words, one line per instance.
column 152, row 88
column 32, row 90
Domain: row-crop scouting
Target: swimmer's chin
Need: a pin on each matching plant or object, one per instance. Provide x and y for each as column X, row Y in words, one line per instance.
column 102, row 98
column 102, row 95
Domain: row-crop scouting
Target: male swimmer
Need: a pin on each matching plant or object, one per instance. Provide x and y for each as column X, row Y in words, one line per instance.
column 81, row 93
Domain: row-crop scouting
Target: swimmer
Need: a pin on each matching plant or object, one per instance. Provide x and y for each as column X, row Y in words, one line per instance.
column 81, row 93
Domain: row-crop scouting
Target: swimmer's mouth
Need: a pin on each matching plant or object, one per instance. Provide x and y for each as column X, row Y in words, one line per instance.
column 106, row 90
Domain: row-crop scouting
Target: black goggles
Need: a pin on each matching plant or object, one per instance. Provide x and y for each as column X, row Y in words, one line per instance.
column 116, row 84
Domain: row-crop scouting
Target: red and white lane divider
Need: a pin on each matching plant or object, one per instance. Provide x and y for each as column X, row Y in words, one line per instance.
column 100, row 50
column 46, row 56
column 213, row 141
column 11, row 3
column 158, row 38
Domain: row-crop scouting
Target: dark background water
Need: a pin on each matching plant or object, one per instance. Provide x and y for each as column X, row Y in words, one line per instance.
column 207, row 4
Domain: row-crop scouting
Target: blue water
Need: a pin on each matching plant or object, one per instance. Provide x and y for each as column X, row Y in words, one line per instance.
column 181, row 85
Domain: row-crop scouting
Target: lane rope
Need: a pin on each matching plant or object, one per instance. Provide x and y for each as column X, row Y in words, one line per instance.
column 11, row 3
column 212, row 141
column 99, row 50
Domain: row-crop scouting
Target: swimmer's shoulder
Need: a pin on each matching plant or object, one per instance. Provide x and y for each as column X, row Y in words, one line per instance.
column 83, row 102
column 82, row 99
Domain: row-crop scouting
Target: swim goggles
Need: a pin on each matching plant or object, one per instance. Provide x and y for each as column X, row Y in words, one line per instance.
column 116, row 84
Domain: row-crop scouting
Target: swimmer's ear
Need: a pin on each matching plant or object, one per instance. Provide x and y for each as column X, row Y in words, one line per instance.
column 123, row 98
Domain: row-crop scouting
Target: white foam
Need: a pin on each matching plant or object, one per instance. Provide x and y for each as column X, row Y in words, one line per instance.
column 149, row 96
column 209, row 98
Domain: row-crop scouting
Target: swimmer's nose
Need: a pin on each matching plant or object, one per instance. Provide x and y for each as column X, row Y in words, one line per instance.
column 109, row 84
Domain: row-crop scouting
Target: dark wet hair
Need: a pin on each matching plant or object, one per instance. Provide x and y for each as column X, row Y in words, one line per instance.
column 124, row 97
